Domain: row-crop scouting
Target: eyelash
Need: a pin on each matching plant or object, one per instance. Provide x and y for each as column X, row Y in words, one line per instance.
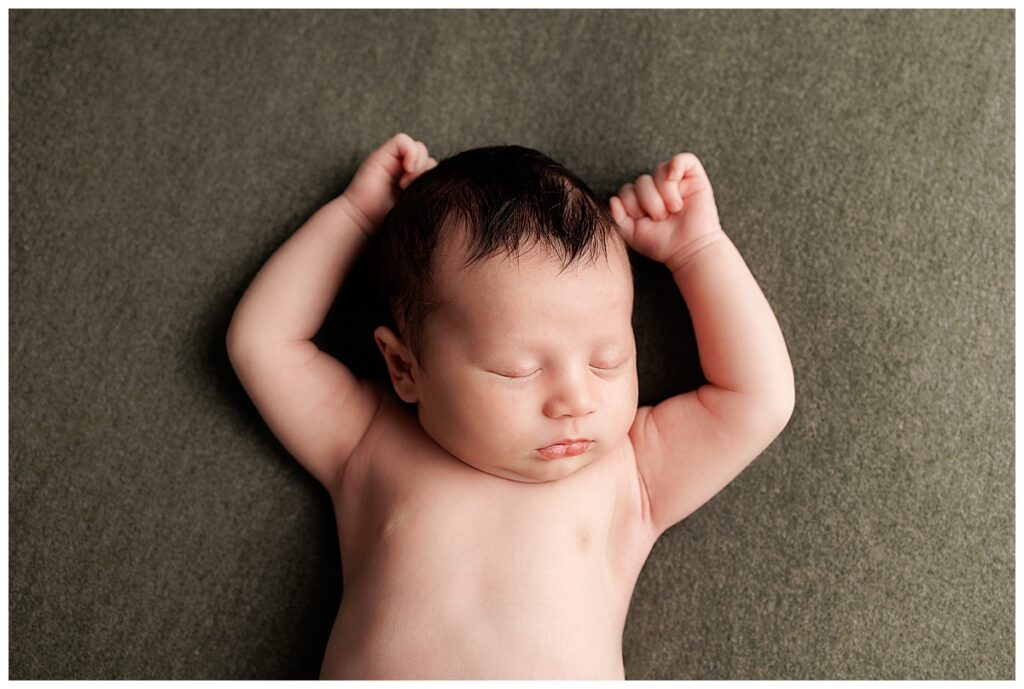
column 530, row 375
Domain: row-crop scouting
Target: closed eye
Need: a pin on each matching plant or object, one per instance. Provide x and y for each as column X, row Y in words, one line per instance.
column 606, row 367
column 515, row 376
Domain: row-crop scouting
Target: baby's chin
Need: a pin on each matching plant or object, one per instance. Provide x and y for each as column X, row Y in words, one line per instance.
column 534, row 470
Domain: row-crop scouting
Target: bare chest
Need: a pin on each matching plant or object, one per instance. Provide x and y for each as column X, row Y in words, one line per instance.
column 534, row 574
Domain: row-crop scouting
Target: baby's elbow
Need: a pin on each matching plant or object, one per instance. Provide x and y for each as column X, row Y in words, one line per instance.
column 779, row 404
column 784, row 407
column 786, row 402
column 787, row 412
column 774, row 417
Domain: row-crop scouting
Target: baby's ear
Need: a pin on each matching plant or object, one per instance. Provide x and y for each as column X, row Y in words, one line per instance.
column 399, row 361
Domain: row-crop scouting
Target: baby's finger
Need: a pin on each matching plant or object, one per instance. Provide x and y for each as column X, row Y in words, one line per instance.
column 627, row 195
column 688, row 186
column 618, row 212
column 668, row 188
column 686, row 166
column 427, row 164
column 650, row 199
column 391, row 154
column 621, row 218
column 412, row 156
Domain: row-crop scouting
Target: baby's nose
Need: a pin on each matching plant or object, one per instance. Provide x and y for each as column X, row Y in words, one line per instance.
column 571, row 399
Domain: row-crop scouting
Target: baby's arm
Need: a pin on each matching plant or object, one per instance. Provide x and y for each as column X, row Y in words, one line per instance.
column 312, row 403
column 692, row 445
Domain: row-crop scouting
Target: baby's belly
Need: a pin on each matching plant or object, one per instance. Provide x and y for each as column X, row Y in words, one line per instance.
column 498, row 609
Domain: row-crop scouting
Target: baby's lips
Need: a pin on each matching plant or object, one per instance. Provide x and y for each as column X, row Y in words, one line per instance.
column 558, row 450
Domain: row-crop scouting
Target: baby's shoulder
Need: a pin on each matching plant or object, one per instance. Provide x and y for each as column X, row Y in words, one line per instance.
column 391, row 411
column 393, row 430
column 391, row 415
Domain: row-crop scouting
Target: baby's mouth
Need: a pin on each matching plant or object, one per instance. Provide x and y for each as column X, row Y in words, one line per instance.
column 565, row 448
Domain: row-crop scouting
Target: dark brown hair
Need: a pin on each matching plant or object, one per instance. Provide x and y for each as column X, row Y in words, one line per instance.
column 505, row 199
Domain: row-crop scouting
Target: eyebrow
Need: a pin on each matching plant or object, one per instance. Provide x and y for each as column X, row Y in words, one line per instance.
column 604, row 342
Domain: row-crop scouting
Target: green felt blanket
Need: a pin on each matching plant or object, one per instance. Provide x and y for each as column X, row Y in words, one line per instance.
column 863, row 163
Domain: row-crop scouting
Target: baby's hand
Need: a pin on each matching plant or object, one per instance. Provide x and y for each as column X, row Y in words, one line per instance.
column 670, row 216
column 377, row 183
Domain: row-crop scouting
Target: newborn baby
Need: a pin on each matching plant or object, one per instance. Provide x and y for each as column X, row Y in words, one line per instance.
column 496, row 503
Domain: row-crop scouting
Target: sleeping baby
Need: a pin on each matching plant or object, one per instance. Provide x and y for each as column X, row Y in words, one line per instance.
column 496, row 502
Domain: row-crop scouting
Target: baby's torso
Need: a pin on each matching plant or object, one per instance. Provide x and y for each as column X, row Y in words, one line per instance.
column 450, row 572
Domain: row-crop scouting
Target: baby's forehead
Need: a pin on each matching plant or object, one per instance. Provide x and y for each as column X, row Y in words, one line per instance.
column 534, row 291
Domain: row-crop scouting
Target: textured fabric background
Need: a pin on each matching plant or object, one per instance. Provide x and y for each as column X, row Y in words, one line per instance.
column 863, row 164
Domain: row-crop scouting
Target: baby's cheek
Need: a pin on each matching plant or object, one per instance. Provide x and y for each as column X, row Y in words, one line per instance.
column 505, row 412
column 487, row 411
column 625, row 405
column 480, row 397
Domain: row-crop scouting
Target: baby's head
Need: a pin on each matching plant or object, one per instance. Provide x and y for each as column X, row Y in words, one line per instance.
column 511, row 296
